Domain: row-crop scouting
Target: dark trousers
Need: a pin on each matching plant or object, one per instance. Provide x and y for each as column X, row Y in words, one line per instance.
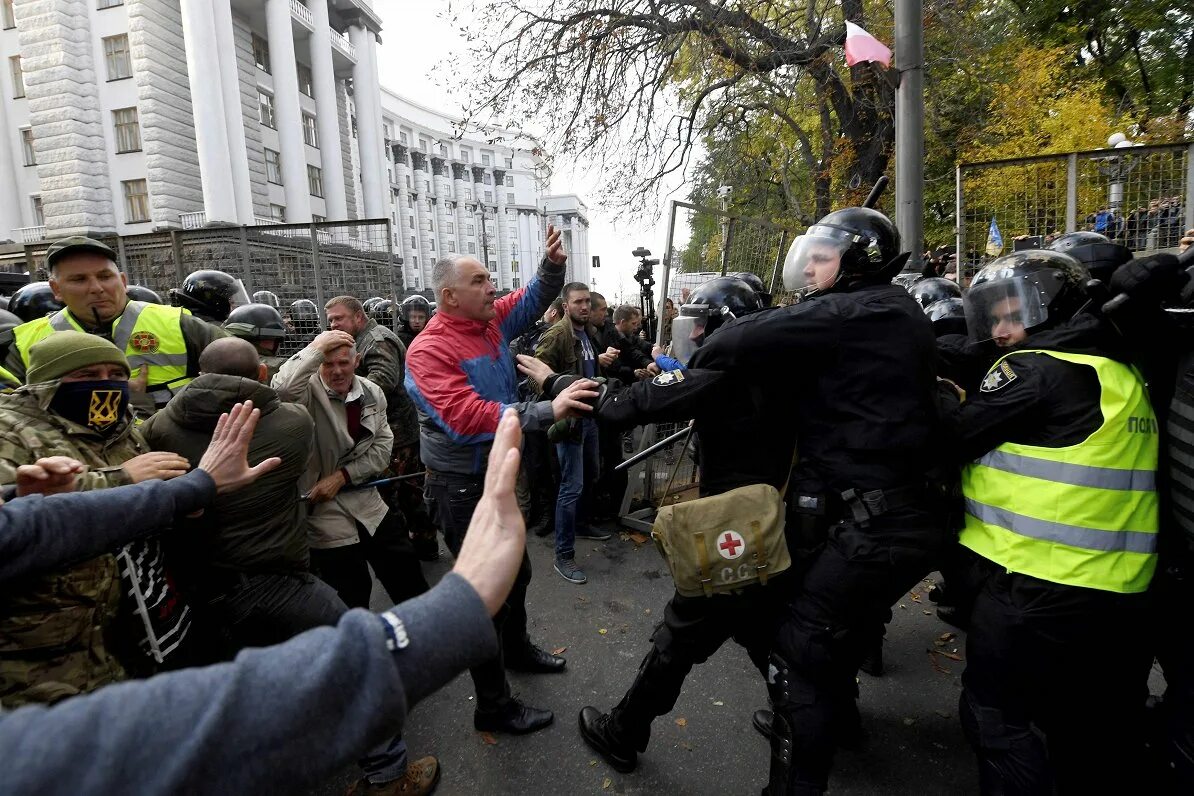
column 388, row 550
column 538, row 483
column 693, row 628
column 451, row 499
column 1172, row 605
column 611, row 487
column 845, row 593
column 258, row 610
column 1065, row 662
column 407, row 496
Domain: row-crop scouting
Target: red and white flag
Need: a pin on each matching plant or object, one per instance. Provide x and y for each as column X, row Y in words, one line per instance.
column 862, row 46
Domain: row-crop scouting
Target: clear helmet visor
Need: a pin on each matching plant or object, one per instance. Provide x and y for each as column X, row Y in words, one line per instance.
column 240, row 297
column 688, row 331
column 814, row 259
column 1004, row 310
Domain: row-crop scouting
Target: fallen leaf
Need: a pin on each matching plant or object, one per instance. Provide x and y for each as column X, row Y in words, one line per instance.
column 937, row 667
column 639, row 538
column 952, row 656
column 719, row 704
column 914, row 597
column 947, row 636
column 909, row 722
column 681, row 722
column 592, row 762
column 602, row 631
column 903, row 606
column 559, row 650
column 927, row 613
column 647, row 612
column 938, row 643
column 488, row 739
column 605, row 783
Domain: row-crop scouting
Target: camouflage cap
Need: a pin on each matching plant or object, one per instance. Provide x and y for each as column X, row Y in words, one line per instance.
column 74, row 245
column 62, row 352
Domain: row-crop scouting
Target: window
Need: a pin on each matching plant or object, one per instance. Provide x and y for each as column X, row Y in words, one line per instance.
column 451, row 246
column 443, row 149
column 413, row 244
column 116, row 53
column 472, row 247
column 10, row 21
column 310, row 134
column 318, row 219
column 102, row 4
column 515, row 283
column 415, row 261
column 424, row 144
column 487, row 179
column 466, row 154
column 471, row 230
column 408, row 181
column 39, row 214
column 261, row 53
column 493, row 265
column 427, row 186
column 411, row 219
column 486, row 159
column 509, row 198
column 27, row 146
column 136, row 201
column 431, row 243
column 468, row 193
column 306, row 83
column 128, row 130
column 278, row 213
column 451, row 228
column 404, row 138
column 273, row 167
column 18, row 77
column 314, row 180
column 509, row 181
column 265, row 109
column 510, row 164
column 488, row 196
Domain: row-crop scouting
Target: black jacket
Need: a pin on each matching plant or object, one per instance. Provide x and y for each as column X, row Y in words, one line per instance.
column 630, row 356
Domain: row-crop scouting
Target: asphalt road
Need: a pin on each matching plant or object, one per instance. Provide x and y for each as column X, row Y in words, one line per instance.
column 707, row 745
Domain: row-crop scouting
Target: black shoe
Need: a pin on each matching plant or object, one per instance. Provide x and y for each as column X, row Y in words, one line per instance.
column 952, row 615
column 594, row 728
column 872, row 664
column 761, row 721
column 593, row 533
column 515, row 718
column 536, row 661
column 545, row 529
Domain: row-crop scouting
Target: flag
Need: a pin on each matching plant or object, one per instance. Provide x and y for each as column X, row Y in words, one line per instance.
column 994, row 239
column 862, row 46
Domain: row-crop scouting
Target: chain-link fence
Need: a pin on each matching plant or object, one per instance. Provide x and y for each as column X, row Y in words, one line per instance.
column 1140, row 196
column 294, row 261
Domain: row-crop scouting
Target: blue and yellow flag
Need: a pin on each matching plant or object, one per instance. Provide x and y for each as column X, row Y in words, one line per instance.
column 994, row 239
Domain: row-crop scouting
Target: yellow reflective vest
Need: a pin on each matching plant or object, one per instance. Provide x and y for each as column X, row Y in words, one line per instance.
column 1081, row 515
column 149, row 334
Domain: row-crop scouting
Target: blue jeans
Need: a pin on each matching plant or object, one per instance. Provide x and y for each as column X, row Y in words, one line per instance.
column 578, row 461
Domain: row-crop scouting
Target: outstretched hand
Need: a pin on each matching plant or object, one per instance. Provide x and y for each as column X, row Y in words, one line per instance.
column 226, row 458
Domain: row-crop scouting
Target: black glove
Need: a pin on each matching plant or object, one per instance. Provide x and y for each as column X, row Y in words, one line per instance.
column 1152, row 280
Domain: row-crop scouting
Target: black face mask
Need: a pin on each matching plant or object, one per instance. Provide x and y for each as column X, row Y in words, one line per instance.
column 99, row 405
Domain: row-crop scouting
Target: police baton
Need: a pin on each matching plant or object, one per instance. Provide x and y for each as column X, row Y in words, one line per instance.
column 378, row 482
column 876, row 191
column 1185, row 260
column 663, row 443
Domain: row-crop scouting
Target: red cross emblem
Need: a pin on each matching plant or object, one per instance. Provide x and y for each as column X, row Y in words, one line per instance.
column 731, row 545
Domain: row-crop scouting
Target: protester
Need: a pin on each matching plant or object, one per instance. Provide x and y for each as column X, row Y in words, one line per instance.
column 193, row 730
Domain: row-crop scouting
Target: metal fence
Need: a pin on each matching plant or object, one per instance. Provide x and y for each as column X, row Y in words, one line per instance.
column 647, row 481
column 1141, row 196
column 294, row 261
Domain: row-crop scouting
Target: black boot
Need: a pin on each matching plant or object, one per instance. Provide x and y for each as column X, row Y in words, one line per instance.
column 595, row 729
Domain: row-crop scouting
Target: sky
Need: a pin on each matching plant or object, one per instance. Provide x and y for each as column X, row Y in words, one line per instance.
column 415, row 39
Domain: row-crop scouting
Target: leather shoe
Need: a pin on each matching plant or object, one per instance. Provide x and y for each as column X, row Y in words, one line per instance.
column 515, row 718
column 594, row 728
column 535, row 661
column 761, row 721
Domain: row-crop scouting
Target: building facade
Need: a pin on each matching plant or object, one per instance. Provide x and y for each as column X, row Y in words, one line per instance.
column 126, row 117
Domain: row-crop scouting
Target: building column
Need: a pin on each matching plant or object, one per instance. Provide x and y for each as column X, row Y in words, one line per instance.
column 367, row 98
column 207, row 102
column 234, row 115
column 288, row 114
column 11, row 217
column 443, row 195
column 580, row 251
column 422, row 198
column 459, row 186
column 500, row 222
column 327, row 122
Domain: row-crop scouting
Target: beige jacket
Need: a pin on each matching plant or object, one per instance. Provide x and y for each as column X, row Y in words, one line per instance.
column 334, row 523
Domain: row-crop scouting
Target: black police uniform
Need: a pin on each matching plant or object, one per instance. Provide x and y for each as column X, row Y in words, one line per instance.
column 1069, row 662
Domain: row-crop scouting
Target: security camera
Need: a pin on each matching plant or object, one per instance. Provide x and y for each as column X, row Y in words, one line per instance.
column 724, row 191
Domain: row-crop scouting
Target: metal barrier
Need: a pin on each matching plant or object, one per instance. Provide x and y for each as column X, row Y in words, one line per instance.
column 1141, row 196
column 647, row 481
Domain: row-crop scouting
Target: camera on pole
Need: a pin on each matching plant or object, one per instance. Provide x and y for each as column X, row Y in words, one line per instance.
column 645, row 276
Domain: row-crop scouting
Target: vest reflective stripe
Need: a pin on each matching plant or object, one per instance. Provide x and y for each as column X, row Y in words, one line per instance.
column 167, row 365
column 1083, row 514
column 1076, row 474
column 8, row 377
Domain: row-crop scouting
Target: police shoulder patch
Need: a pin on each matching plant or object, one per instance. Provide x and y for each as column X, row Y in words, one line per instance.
column 668, row 378
column 999, row 377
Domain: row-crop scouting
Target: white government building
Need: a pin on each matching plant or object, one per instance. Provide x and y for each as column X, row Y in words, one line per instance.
column 145, row 115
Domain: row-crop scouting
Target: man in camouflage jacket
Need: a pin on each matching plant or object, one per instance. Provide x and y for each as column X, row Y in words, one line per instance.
column 65, row 632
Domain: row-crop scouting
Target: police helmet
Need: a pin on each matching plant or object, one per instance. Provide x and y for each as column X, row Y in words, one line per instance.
column 710, row 306
column 260, row 324
column 948, row 316
column 140, row 293
column 1027, row 290
column 266, row 297
column 846, row 247
column 383, row 312
column 368, row 304
column 756, row 284
column 414, row 304
column 934, row 288
column 1100, row 256
column 8, row 320
column 907, row 279
column 304, row 310
column 212, row 294
column 34, row 300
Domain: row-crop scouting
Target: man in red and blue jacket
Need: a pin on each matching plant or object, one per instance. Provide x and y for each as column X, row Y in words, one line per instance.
column 460, row 375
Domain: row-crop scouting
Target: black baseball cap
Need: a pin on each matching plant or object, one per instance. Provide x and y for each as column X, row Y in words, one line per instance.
column 75, row 244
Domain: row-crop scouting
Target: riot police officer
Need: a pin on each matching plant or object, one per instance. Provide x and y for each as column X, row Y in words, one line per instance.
column 261, row 325
column 1060, row 444
column 932, row 289
column 415, row 311
column 1100, row 256
column 305, row 324
column 756, row 284
column 266, row 297
column 139, row 293
column 34, row 300
column 209, row 295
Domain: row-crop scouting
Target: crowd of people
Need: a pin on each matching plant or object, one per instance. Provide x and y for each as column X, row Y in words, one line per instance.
column 192, row 502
